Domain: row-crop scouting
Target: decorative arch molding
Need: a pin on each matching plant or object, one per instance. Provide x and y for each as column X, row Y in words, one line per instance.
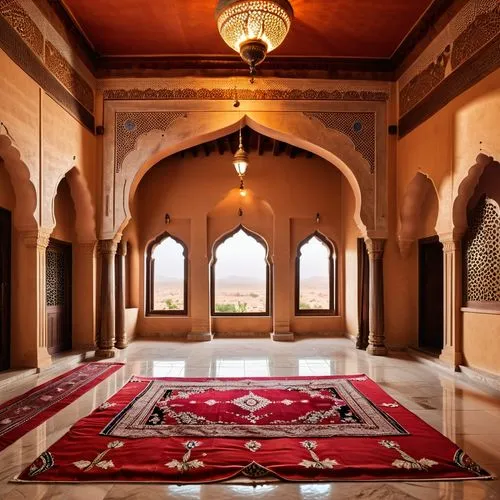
column 213, row 260
column 26, row 212
column 85, row 223
column 150, row 269
column 333, row 276
column 417, row 191
column 466, row 187
column 194, row 126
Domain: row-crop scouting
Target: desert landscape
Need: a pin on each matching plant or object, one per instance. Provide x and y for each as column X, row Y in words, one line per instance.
column 236, row 294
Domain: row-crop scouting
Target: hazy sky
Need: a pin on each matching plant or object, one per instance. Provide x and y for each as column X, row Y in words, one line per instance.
column 239, row 255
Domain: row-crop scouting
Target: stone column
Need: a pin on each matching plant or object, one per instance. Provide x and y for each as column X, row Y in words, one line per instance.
column 107, row 332
column 283, row 283
column 376, row 338
column 121, row 334
column 199, row 294
column 30, row 349
column 452, row 353
column 84, row 293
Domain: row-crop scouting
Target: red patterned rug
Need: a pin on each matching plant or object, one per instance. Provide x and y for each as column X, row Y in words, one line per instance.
column 22, row 414
column 342, row 428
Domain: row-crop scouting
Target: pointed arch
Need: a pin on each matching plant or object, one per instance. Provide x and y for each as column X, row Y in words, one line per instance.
column 194, row 128
column 85, row 222
column 268, row 272
column 465, row 191
column 25, row 213
column 332, row 285
column 150, row 278
column 417, row 192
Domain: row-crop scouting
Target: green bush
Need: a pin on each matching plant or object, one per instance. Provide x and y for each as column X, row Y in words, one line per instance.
column 231, row 308
column 172, row 304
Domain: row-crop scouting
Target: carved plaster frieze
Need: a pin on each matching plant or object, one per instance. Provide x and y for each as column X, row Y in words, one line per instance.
column 477, row 24
column 239, row 88
column 359, row 127
column 53, row 54
column 129, row 126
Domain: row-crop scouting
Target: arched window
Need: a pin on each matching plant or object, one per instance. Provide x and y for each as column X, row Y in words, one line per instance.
column 240, row 275
column 166, row 276
column 316, row 276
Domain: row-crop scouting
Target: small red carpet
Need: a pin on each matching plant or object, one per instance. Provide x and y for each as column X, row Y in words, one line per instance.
column 23, row 413
column 172, row 430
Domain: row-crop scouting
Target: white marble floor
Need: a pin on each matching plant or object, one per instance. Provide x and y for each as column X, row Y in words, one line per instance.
column 465, row 413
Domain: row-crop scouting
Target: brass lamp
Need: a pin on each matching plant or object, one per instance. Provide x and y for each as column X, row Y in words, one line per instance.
column 253, row 28
column 240, row 162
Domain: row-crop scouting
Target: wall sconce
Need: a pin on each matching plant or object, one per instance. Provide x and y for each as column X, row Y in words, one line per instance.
column 240, row 212
column 317, row 218
column 167, row 219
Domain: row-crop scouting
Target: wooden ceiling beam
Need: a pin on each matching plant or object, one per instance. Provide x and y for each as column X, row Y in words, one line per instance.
column 220, row 145
column 260, row 144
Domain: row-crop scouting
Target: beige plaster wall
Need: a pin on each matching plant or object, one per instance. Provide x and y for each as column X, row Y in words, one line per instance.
column 202, row 199
column 445, row 148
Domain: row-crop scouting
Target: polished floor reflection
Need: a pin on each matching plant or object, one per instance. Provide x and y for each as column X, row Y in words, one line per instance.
column 467, row 414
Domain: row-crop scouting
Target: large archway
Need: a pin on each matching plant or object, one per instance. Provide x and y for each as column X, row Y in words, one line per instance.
column 183, row 130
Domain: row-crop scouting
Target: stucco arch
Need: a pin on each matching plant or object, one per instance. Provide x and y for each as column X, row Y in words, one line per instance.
column 467, row 185
column 25, row 213
column 294, row 128
column 411, row 214
column 85, row 222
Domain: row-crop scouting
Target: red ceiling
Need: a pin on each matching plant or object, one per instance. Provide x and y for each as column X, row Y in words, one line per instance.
column 332, row 28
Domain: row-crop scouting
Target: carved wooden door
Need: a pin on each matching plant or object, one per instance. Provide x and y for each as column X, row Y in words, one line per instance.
column 58, row 289
column 5, row 287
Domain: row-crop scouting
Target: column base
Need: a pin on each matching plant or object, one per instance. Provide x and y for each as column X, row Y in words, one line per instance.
column 451, row 358
column 44, row 359
column 105, row 353
column 377, row 350
column 121, row 345
column 199, row 337
column 282, row 336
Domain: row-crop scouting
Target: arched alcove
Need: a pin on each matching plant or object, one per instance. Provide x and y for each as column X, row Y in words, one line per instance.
column 25, row 213
column 419, row 212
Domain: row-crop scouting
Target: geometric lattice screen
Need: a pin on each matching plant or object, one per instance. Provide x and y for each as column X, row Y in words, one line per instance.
column 55, row 277
column 482, row 253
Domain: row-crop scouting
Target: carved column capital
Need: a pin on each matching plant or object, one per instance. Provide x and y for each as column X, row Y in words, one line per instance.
column 37, row 238
column 375, row 248
column 122, row 249
column 451, row 246
column 108, row 247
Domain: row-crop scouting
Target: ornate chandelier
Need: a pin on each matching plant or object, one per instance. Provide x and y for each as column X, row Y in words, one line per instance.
column 253, row 27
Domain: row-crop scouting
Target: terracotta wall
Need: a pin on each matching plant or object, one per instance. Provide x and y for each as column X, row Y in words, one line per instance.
column 351, row 235
column 444, row 148
column 46, row 142
column 202, row 199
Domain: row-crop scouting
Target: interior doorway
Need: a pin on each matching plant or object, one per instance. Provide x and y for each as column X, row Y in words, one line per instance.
column 431, row 307
column 58, row 290
column 5, row 288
